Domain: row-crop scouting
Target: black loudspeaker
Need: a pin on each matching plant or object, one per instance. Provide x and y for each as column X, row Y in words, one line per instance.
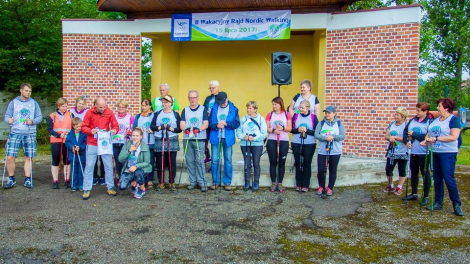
column 281, row 68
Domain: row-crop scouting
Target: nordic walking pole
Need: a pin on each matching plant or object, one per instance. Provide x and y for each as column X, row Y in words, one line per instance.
column 246, row 164
column 408, row 175
column 391, row 150
column 426, row 169
column 327, row 163
column 199, row 159
column 31, row 157
column 80, row 162
column 278, row 167
column 172, row 188
column 162, row 184
column 220, row 160
column 5, row 164
column 187, row 132
column 302, row 138
column 431, row 177
column 73, row 169
column 252, row 173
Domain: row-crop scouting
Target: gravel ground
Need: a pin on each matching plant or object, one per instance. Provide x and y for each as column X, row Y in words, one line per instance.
column 358, row 224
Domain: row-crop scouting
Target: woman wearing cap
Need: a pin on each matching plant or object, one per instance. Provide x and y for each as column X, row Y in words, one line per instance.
column 415, row 132
column 306, row 94
column 166, row 124
column 330, row 134
column 144, row 120
column 303, row 145
column 397, row 152
column 252, row 133
column 443, row 135
column 279, row 124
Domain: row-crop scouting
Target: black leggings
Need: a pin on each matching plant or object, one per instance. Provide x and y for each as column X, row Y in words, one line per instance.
column 417, row 164
column 271, row 148
column 333, row 161
column 302, row 176
column 390, row 166
column 55, row 151
column 255, row 153
column 158, row 157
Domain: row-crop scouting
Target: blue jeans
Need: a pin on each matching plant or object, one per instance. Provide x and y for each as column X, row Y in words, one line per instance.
column 77, row 175
column 227, row 177
column 444, row 169
column 116, row 150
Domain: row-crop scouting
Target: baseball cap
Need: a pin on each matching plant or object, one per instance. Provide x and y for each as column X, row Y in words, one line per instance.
column 330, row 109
column 220, row 98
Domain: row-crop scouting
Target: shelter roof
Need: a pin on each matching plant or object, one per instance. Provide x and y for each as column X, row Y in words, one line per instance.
column 164, row 8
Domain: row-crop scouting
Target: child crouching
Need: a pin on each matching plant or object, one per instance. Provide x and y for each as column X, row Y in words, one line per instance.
column 135, row 158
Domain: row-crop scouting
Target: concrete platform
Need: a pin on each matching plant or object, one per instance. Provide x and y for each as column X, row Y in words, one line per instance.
column 351, row 171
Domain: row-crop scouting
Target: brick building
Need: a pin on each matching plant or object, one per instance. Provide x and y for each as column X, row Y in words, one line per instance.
column 364, row 62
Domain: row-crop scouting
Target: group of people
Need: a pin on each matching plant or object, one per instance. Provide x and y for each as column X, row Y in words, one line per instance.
column 150, row 138
column 425, row 144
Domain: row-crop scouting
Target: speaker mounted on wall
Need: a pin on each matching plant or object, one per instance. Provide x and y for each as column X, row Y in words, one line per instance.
column 281, row 68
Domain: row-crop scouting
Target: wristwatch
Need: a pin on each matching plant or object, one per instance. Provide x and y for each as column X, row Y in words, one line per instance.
column 436, row 138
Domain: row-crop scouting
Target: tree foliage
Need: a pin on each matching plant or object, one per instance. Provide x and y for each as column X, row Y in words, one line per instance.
column 444, row 45
column 146, row 68
column 31, row 42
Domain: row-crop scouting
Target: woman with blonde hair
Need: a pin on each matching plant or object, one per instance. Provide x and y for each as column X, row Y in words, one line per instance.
column 397, row 152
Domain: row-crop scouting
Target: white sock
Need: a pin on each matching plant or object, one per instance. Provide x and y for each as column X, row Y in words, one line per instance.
column 391, row 185
column 399, row 186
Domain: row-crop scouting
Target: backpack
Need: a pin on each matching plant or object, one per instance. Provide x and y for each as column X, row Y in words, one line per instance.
column 311, row 116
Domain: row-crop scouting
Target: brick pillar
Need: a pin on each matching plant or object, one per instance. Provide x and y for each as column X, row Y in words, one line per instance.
column 369, row 72
column 102, row 65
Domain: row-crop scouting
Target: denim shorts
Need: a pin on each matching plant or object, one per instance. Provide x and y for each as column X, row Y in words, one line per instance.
column 15, row 141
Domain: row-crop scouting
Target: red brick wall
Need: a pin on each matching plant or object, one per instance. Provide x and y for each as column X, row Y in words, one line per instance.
column 369, row 72
column 102, row 65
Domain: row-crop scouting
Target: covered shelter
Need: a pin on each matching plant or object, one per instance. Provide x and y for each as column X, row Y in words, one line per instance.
column 363, row 62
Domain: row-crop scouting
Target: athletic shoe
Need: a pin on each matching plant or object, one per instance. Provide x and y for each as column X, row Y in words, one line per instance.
column 191, row 187
column 95, row 181
column 86, row 195
column 10, row 183
column 304, row 189
column 273, row 187
column 150, row 184
column 411, row 197
column 112, row 192
column 457, row 209
column 74, row 189
column 255, row 187
column 389, row 189
column 329, row 192
column 228, row 188
column 214, row 186
column 139, row 194
column 80, row 189
column 319, row 191
column 424, row 201
column 134, row 189
column 298, row 188
column 102, row 181
column 203, row 189
column 247, row 186
column 279, row 188
column 55, row 185
column 27, row 183
column 436, row 206
column 67, row 184
column 398, row 191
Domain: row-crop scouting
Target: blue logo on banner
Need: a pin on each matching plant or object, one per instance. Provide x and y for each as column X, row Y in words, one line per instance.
column 181, row 27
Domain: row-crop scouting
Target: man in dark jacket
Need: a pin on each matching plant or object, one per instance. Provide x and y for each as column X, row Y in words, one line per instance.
column 223, row 121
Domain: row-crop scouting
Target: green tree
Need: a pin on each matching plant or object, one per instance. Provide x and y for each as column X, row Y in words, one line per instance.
column 31, row 42
column 146, row 68
column 445, row 34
